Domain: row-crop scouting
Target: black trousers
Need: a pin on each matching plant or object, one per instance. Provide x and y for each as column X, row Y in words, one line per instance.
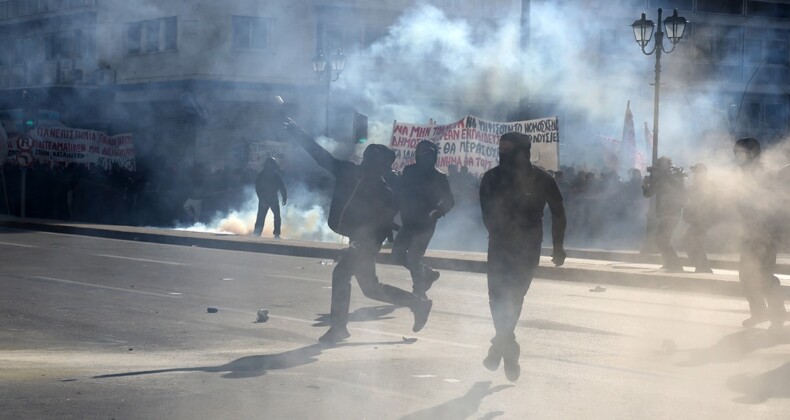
column 667, row 225
column 263, row 208
column 409, row 249
column 695, row 246
column 756, row 274
column 359, row 260
column 511, row 265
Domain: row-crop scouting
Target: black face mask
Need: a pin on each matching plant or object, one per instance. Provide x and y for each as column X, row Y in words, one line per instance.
column 507, row 160
column 425, row 159
column 516, row 158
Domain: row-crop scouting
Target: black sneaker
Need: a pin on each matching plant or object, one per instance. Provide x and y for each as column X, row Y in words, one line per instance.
column 491, row 362
column 421, row 312
column 334, row 335
column 510, row 357
column 430, row 277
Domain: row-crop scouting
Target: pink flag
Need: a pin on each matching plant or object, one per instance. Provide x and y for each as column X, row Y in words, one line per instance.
column 628, row 143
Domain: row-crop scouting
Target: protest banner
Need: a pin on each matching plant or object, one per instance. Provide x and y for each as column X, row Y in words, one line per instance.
column 63, row 145
column 474, row 143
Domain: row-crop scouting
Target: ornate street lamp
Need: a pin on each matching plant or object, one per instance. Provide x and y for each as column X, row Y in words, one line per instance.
column 328, row 70
column 643, row 31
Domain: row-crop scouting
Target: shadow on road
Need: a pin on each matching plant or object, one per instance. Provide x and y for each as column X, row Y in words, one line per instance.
column 542, row 324
column 253, row 366
column 462, row 407
column 757, row 389
column 734, row 347
column 372, row 313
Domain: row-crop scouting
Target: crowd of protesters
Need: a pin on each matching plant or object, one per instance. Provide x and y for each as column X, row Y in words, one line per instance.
column 604, row 210
column 116, row 195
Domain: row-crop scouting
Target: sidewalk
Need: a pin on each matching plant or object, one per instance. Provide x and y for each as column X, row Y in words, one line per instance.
column 589, row 266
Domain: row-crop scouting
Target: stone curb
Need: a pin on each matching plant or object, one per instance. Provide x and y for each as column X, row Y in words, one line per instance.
column 443, row 260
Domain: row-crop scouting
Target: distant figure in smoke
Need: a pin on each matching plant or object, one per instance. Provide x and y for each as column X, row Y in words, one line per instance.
column 665, row 182
column 424, row 196
column 700, row 213
column 363, row 207
column 193, row 206
column 267, row 185
column 513, row 196
column 761, row 235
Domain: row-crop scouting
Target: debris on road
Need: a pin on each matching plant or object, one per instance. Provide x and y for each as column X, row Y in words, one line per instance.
column 263, row 315
column 212, row 310
column 327, row 262
column 598, row 289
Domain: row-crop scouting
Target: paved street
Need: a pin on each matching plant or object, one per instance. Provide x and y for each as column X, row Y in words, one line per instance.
column 103, row 328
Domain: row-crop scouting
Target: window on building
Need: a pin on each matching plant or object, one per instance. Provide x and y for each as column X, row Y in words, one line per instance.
column 776, row 52
column 150, row 36
column 669, row 5
column 718, row 44
column 768, row 9
column 336, row 36
column 250, row 33
column 59, row 46
column 753, row 51
column 133, row 38
column 7, row 9
column 150, row 41
column 775, row 116
column 730, row 7
column 12, row 54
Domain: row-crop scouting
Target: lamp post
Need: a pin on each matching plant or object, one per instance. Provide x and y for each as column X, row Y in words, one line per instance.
column 643, row 31
column 328, row 70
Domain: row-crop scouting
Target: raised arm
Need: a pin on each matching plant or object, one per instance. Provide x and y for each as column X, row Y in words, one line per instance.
column 321, row 156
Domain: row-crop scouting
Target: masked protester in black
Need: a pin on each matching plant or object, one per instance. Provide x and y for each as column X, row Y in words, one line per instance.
column 665, row 182
column 267, row 185
column 424, row 196
column 761, row 220
column 513, row 196
column 363, row 207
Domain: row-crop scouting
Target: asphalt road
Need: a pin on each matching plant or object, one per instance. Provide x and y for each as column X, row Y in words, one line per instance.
column 101, row 328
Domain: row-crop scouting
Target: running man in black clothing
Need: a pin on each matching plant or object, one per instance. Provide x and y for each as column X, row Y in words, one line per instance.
column 513, row 196
column 424, row 196
column 363, row 207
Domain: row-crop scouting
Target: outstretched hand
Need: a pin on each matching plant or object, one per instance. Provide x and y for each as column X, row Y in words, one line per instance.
column 289, row 125
column 558, row 257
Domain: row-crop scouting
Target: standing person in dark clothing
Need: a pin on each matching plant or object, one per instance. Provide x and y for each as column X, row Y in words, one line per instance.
column 513, row 196
column 665, row 182
column 424, row 196
column 267, row 185
column 362, row 208
column 700, row 213
column 761, row 236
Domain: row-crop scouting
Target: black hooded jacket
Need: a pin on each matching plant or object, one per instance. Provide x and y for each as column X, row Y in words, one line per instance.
column 512, row 203
column 363, row 206
column 422, row 191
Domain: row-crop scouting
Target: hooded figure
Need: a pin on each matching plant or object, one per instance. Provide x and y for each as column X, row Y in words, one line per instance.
column 363, row 207
column 665, row 183
column 700, row 212
column 761, row 221
column 513, row 197
column 424, row 196
column 267, row 185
